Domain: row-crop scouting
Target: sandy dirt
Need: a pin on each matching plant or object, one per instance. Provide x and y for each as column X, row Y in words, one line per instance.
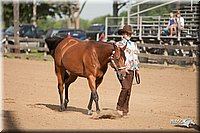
column 31, row 100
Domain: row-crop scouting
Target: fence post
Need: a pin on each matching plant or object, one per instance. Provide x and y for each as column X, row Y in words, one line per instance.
column 5, row 48
column 159, row 28
column 45, row 52
column 165, row 54
column 179, row 32
column 138, row 15
column 140, row 31
column 26, row 45
column 182, row 51
column 122, row 24
column 193, row 62
column 106, row 29
column 97, row 37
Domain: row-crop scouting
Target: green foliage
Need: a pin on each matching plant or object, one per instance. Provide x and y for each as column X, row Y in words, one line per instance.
column 7, row 14
column 51, row 23
column 84, row 24
column 26, row 11
column 123, row 14
column 100, row 20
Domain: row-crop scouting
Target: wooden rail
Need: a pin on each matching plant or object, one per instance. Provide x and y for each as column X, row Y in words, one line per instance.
column 195, row 47
column 165, row 57
column 27, row 39
column 45, row 49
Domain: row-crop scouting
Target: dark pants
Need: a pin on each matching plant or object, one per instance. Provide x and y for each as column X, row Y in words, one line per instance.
column 123, row 100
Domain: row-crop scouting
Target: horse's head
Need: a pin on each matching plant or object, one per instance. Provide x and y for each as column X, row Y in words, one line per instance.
column 117, row 62
column 52, row 43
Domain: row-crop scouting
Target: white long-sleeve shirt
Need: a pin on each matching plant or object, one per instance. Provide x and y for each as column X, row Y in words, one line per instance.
column 130, row 52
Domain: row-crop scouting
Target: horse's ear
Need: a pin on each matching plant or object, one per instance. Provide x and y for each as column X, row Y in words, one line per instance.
column 115, row 46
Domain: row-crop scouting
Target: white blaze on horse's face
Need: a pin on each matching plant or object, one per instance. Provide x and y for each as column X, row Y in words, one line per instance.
column 118, row 63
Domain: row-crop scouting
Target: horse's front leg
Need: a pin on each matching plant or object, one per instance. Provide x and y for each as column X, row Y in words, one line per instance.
column 90, row 105
column 94, row 94
column 98, row 82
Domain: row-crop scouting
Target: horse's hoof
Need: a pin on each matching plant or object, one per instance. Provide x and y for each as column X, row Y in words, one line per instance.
column 98, row 111
column 62, row 108
column 89, row 112
column 65, row 105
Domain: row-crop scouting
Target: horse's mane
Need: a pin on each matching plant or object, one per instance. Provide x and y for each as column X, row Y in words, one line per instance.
column 53, row 42
column 111, row 45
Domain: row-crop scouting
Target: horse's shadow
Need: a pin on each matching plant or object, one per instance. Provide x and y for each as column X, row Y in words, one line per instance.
column 69, row 108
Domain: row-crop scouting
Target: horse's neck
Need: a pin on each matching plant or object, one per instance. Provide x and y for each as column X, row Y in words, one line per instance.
column 104, row 53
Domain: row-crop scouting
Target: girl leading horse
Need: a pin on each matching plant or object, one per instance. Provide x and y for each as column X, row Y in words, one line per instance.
column 89, row 59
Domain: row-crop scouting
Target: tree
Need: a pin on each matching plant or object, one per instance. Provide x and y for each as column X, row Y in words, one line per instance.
column 7, row 14
column 72, row 9
column 117, row 5
column 69, row 9
column 26, row 11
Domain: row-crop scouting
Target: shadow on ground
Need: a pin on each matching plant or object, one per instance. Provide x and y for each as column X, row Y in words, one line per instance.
column 69, row 108
column 9, row 122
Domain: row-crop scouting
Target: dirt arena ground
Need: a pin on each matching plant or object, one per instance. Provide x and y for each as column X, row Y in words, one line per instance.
column 30, row 99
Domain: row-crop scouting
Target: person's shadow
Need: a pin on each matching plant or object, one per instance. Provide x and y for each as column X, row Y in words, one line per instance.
column 69, row 108
column 196, row 127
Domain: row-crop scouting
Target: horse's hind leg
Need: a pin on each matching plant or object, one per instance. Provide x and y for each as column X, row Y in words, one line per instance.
column 60, row 76
column 70, row 79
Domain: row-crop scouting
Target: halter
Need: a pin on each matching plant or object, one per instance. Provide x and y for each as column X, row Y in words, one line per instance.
column 114, row 64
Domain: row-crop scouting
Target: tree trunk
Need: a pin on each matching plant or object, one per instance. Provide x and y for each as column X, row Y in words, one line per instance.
column 115, row 11
column 16, row 23
column 35, row 13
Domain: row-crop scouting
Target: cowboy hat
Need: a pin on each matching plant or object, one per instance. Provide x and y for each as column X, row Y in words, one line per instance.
column 126, row 28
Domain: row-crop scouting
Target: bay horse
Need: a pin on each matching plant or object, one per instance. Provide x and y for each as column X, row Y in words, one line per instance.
column 74, row 58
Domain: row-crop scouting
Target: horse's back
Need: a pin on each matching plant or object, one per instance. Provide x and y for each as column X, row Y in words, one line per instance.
column 80, row 56
column 88, row 57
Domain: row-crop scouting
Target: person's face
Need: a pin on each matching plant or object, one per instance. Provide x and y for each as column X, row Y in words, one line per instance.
column 171, row 15
column 126, row 35
column 178, row 15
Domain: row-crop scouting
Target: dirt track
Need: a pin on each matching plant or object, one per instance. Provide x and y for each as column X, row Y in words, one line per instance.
column 30, row 99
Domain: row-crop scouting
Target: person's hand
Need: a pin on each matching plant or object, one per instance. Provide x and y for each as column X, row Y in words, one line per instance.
column 127, row 72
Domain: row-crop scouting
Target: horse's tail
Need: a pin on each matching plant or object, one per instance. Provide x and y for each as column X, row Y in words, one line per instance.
column 52, row 43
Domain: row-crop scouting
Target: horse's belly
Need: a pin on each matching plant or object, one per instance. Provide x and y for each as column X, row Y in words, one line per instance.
column 73, row 63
